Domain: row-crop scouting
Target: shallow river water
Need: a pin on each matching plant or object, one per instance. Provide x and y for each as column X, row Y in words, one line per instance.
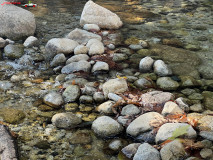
column 190, row 23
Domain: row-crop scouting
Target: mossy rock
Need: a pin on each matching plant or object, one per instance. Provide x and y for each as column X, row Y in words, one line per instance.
column 144, row 52
column 12, row 116
column 208, row 100
column 132, row 40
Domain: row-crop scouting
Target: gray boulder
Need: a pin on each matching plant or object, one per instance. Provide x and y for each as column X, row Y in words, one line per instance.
column 13, row 51
column 136, row 127
column 171, row 108
column 130, row 150
column 82, row 36
column 147, row 152
column 166, row 131
column 130, row 110
column 66, row 120
column 77, row 58
column 96, row 49
column 142, row 83
column 173, row 150
column 15, row 22
column 95, row 14
column 71, row 93
column 167, row 84
column 98, row 97
column 115, row 86
column 100, row 66
column 59, row 45
column 156, row 98
column 106, row 127
column 76, row 66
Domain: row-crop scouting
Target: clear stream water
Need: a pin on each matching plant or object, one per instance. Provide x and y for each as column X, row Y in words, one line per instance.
column 191, row 22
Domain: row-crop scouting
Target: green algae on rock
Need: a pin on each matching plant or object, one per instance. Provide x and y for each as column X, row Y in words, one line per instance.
column 12, row 116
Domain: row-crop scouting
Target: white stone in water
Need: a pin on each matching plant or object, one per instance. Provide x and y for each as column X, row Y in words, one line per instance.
column 146, row 64
column 171, row 108
column 3, row 43
column 136, row 127
column 31, row 41
column 115, row 86
column 59, row 45
column 161, row 69
column 100, row 66
column 59, row 59
column 96, row 49
column 66, row 120
column 95, row 14
column 105, row 33
column 92, row 41
column 82, row 36
column 53, row 99
column 147, row 152
column 114, row 97
column 77, row 58
column 93, row 27
column 106, row 107
column 106, row 127
column 135, row 47
column 111, row 46
column 166, row 131
column 76, row 66
column 81, row 49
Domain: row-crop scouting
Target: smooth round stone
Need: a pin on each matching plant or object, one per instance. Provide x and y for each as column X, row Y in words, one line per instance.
column 88, row 90
column 105, row 33
column 96, row 48
column 106, row 127
column 111, row 46
column 114, row 97
column 206, row 153
column 130, row 150
column 77, row 58
column 115, row 145
column 86, row 99
column 166, row 83
column 92, row 41
column 98, row 97
column 66, row 120
column 13, row 51
column 71, row 93
column 130, row 110
column 81, row 49
column 31, row 41
column 53, row 99
column 106, row 107
column 5, row 85
column 171, row 108
column 147, row 152
column 100, row 66
column 135, row 47
column 161, row 69
column 142, row 83
column 93, row 27
column 58, row 60
column 118, row 57
column 146, row 64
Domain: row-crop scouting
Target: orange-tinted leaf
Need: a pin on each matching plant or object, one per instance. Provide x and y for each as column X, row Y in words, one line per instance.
column 73, row 82
column 193, row 122
column 37, row 81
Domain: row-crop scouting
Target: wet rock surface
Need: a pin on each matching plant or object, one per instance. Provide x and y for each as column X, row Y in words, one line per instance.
column 169, row 33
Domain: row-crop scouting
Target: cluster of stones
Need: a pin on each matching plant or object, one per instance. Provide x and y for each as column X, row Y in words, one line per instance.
column 84, row 44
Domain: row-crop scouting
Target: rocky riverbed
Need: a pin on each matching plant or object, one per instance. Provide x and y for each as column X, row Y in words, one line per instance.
column 111, row 86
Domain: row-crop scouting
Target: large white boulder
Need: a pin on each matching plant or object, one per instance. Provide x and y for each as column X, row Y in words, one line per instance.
column 95, row 14
column 15, row 22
